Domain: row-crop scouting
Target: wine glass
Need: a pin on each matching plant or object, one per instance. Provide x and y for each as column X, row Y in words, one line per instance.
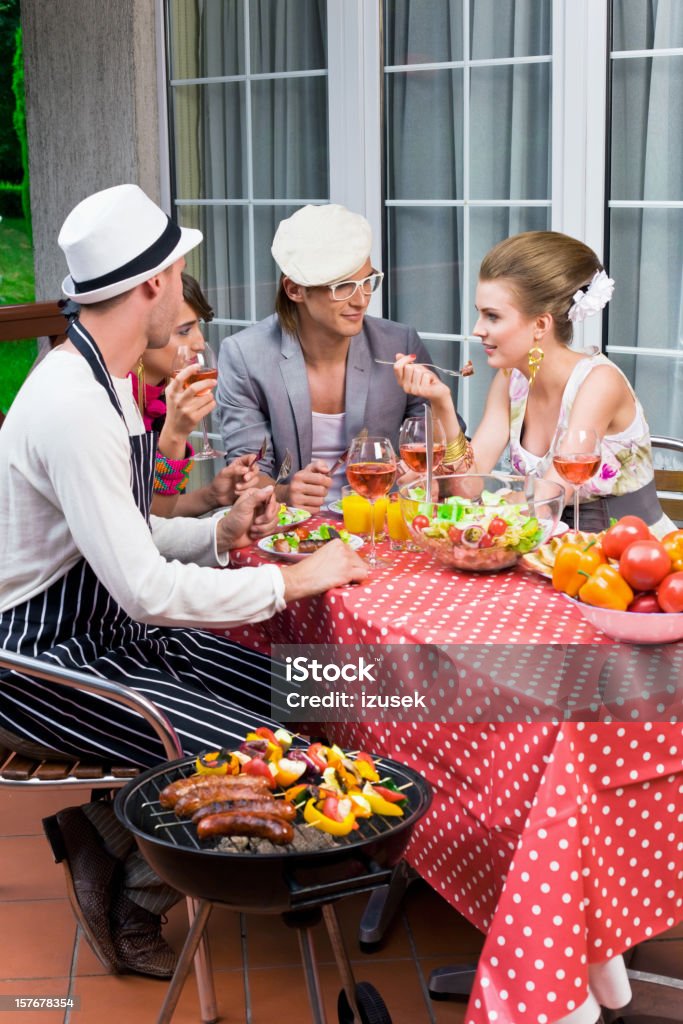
column 207, row 369
column 576, row 457
column 412, row 445
column 371, row 471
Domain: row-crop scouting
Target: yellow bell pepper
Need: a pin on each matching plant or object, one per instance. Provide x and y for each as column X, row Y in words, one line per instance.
column 574, row 563
column 287, row 772
column 606, row 588
column 365, row 767
column 379, row 805
column 217, row 762
column 321, row 821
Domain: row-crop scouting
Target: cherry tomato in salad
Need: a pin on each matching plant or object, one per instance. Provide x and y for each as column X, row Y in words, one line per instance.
column 497, row 526
column 644, row 564
column 646, row 603
column 301, row 532
column 454, row 534
column 486, row 541
column 670, row 593
column 420, row 522
column 673, row 542
column 623, row 533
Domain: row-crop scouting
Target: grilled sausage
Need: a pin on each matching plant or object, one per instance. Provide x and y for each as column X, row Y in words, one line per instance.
column 278, row 808
column 246, row 823
column 169, row 796
column 192, row 801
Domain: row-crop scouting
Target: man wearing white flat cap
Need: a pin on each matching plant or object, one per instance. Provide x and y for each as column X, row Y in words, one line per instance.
column 307, row 378
column 90, row 580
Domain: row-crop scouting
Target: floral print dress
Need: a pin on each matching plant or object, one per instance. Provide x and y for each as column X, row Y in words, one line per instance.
column 626, row 457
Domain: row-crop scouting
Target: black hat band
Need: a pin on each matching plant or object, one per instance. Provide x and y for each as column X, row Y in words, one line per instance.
column 147, row 260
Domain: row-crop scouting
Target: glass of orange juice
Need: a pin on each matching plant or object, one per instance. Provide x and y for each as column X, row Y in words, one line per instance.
column 398, row 531
column 356, row 512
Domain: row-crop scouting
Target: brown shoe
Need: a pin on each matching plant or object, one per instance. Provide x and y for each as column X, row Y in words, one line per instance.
column 139, row 945
column 90, row 877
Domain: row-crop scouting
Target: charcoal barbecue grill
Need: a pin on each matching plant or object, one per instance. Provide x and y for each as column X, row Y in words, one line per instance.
column 301, row 885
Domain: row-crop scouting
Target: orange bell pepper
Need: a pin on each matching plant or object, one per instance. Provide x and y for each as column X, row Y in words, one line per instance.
column 673, row 543
column 606, row 588
column 573, row 564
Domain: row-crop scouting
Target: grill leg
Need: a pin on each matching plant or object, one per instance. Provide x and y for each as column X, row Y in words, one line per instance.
column 200, row 917
column 341, row 957
column 308, row 958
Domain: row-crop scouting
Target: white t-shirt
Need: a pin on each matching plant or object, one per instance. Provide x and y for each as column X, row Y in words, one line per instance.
column 65, row 493
column 329, row 441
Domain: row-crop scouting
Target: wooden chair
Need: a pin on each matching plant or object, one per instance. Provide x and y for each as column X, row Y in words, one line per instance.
column 670, row 481
column 26, row 764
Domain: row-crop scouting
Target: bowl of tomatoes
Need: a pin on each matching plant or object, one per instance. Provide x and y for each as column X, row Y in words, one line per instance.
column 635, row 590
column 481, row 523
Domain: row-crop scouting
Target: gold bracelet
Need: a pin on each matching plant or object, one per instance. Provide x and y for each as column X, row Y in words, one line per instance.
column 455, row 450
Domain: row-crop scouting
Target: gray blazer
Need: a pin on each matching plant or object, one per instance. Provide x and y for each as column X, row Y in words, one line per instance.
column 263, row 389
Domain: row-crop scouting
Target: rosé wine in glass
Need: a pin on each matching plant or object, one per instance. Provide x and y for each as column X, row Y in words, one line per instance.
column 576, row 458
column 371, row 471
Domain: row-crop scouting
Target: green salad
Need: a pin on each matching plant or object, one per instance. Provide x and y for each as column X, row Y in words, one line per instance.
column 490, row 522
column 305, row 540
column 291, row 516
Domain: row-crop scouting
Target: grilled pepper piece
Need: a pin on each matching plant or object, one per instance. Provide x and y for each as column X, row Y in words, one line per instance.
column 217, row 762
column 320, row 821
column 606, row 588
column 379, row 805
column 573, row 563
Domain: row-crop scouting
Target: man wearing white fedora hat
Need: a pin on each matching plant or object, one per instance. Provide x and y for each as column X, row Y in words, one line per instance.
column 90, row 580
column 310, row 377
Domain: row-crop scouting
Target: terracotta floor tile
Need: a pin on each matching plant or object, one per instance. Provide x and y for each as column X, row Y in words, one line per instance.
column 23, row 807
column 36, row 939
column 271, row 943
column 28, row 870
column 438, row 929
column 53, row 987
column 129, row 999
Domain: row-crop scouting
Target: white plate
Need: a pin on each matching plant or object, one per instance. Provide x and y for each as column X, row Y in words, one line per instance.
column 298, row 515
column 266, row 544
column 335, row 507
column 560, row 529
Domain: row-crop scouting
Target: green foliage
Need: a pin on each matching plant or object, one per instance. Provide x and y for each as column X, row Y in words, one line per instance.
column 10, row 200
column 19, row 121
column 10, row 152
column 16, row 285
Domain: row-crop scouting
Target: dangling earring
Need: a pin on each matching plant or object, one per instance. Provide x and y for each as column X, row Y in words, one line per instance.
column 536, row 355
column 140, row 374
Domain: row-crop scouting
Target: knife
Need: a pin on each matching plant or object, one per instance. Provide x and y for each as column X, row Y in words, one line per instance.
column 429, row 449
column 345, row 454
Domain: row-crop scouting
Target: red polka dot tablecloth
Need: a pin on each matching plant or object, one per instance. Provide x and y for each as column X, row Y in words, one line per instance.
column 562, row 842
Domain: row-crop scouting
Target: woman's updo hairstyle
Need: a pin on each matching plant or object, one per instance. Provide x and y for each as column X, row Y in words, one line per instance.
column 543, row 269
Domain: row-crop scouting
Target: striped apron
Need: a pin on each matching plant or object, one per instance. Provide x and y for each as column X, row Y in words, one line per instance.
column 212, row 690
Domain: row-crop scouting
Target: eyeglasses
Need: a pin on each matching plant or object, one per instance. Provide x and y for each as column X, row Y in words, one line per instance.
column 345, row 290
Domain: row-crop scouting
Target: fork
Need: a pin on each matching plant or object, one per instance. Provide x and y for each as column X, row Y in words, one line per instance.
column 433, row 366
column 261, row 452
column 285, row 468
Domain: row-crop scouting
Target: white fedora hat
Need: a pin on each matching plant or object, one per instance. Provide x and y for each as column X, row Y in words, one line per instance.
column 115, row 240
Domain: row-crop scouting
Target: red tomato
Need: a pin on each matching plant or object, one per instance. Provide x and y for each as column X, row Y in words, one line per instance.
column 670, row 593
column 454, row 534
column 486, row 541
column 623, row 533
column 644, row 603
column 420, row 522
column 257, row 766
column 644, row 564
column 673, row 542
column 497, row 526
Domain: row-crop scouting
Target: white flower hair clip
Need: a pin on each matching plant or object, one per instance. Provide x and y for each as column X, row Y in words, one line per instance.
column 591, row 299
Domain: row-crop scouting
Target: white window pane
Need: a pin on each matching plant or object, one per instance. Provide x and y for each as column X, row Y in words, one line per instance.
column 267, row 275
column 221, row 263
column 646, row 24
column 490, row 226
column 422, row 31
column 424, row 117
column 510, row 28
column 646, row 261
column 659, row 385
column 510, row 132
column 205, row 39
column 289, row 138
column 425, row 248
column 287, row 35
column 210, row 144
column 647, row 130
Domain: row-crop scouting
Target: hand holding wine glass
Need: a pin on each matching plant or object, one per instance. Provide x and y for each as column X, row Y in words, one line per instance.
column 205, row 361
column 576, row 457
column 371, row 471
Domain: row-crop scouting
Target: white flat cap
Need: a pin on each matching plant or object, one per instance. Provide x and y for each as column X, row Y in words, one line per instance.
column 321, row 244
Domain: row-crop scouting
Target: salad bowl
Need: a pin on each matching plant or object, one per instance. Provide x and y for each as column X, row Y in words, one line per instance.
column 481, row 523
